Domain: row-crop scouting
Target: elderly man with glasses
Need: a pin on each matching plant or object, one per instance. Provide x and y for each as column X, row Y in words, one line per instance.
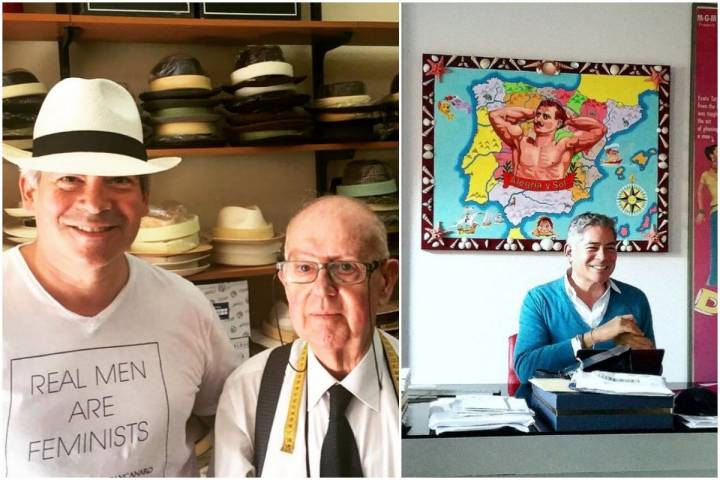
column 327, row 404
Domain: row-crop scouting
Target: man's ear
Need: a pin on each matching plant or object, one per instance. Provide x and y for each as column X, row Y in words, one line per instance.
column 28, row 192
column 389, row 272
column 567, row 251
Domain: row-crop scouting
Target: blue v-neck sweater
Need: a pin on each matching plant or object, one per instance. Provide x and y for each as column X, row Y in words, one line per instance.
column 549, row 321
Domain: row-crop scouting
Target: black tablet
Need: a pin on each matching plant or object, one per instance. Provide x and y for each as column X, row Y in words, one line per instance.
column 623, row 359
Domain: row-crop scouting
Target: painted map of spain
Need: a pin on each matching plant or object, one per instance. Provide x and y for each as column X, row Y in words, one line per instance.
column 518, row 154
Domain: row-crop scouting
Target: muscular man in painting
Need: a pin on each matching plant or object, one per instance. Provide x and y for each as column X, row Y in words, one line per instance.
column 541, row 156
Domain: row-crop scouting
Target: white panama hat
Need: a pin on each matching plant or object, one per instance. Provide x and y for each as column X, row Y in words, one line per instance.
column 88, row 127
column 244, row 225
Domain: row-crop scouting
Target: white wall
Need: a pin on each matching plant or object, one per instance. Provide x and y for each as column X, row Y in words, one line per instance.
column 458, row 309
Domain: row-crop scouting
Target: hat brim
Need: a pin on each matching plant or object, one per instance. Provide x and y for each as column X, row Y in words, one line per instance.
column 19, row 212
column 185, row 262
column 236, row 241
column 21, row 231
column 244, row 260
column 203, row 117
column 203, row 247
column 153, row 105
column 178, row 93
column 88, row 163
column 265, row 101
column 241, row 119
column 187, row 141
column 186, row 272
column 28, row 104
column 264, row 81
column 281, row 124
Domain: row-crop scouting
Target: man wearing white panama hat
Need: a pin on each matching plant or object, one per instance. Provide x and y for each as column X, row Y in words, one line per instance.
column 106, row 359
column 326, row 404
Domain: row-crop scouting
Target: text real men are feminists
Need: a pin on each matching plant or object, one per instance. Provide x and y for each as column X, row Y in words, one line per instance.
column 89, row 441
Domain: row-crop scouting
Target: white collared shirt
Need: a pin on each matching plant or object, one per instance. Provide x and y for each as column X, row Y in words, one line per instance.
column 592, row 316
column 372, row 414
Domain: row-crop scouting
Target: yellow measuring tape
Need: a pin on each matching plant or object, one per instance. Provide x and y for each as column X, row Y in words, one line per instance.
column 393, row 361
column 291, row 421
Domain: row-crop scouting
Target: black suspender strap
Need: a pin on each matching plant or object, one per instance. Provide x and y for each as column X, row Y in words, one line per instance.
column 270, row 386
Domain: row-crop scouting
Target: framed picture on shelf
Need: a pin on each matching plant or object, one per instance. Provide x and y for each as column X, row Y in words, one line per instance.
column 250, row 10
column 171, row 9
column 513, row 149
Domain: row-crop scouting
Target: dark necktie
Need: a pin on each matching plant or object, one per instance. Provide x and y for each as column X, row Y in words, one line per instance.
column 339, row 456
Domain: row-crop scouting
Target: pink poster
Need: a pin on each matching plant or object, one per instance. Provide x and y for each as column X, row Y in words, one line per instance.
column 704, row 194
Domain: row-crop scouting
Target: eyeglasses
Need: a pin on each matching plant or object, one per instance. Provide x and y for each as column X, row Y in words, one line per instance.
column 341, row 272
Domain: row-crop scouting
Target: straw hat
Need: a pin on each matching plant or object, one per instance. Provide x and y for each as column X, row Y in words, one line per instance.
column 267, row 335
column 88, row 127
column 243, row 225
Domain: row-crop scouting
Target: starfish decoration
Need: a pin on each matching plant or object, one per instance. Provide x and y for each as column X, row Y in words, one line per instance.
column 656, row 79
column 437, row 69
column 436, row 234
column 654, row 237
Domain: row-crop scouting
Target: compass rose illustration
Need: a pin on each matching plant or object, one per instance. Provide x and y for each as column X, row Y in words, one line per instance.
column 632, row 199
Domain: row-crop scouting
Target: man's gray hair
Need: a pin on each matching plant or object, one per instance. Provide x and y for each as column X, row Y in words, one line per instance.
column 375, row 237
column 33, row 177
column 582, row 222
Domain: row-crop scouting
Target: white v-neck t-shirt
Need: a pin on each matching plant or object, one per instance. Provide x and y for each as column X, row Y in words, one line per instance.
column 108, row 395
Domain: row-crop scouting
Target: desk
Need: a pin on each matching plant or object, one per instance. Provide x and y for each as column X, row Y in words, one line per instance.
column 546, row 453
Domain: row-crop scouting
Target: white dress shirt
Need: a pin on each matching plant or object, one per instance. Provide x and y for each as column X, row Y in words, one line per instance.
column 372, row 413
column 592, row 316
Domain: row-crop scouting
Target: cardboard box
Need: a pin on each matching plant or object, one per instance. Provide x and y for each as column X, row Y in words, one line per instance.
column 241, row 347
column 231, row 303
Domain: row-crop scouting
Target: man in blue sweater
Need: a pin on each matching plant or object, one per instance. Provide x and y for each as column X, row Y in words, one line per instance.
column 583, row 309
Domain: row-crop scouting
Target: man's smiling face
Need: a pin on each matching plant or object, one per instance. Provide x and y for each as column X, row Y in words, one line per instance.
column 87, row 217
column 593, row 257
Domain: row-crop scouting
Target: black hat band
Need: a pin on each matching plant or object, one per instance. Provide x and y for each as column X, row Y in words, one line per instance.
column 89, row 141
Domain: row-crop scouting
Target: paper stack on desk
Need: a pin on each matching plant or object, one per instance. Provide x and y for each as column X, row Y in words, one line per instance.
column 697, row 421
column 479, row 412
column 620, row 383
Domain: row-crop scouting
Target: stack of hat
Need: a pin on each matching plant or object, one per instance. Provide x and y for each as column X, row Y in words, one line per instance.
column 21, row 226
column 345, row 113
column 23, row 94
column 276, row 329
column 389, row 129
column 243, row 237
column 265, row 108
column 372, row 182
column 169, row 237
column 181, row 106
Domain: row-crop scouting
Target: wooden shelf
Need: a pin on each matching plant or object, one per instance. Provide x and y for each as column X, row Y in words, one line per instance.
column 227, row 272
column 310, row 147
column 92, row 28
column 34, row 26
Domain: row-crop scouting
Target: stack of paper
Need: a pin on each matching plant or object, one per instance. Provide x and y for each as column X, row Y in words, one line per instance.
column 620, row 383
column 479, row 412
column 697, row 421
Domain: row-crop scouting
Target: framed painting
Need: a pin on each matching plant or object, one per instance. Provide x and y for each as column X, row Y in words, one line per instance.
column 513, row 149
